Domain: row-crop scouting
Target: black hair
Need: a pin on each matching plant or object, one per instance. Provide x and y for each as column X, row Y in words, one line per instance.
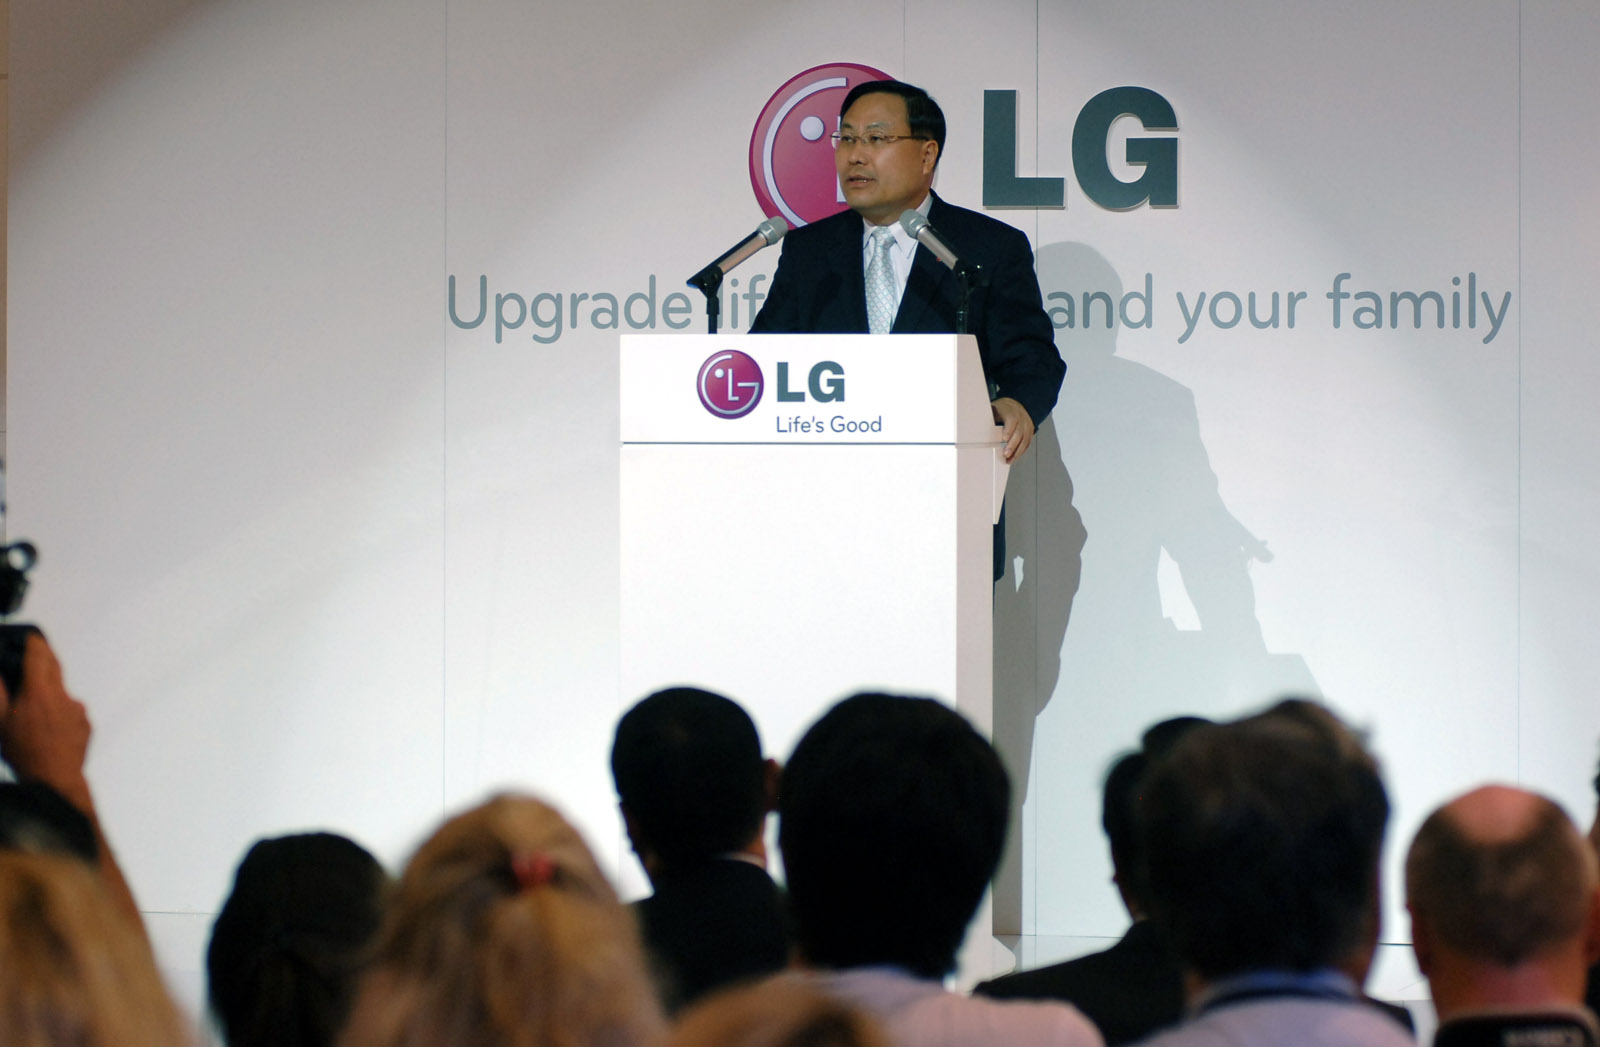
column 37, row 819
column 1262, row 838
column 688, row 769
column 288, row 945
column 1119, row 818
column 1158, row 739
column 927, row 119
column 1119, row 807
column 892, row 816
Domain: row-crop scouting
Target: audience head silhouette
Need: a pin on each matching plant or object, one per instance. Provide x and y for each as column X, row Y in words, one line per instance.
column 690, row 777
column 502, row 931
column 286, row 948
column 1504, row 903
column 1119, row 808
column 1263, row 837
column 892, row 815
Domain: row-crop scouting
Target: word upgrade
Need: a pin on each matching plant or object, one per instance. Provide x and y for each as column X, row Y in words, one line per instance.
column 550, row 313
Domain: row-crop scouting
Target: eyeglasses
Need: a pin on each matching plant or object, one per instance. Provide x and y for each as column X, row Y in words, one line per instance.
column 874, row 140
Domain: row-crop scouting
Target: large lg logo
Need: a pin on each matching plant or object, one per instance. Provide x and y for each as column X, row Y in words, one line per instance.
column 730, row 384
column 791, row 153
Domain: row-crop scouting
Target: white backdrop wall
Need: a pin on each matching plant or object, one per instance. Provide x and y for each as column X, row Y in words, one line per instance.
column 319, row 550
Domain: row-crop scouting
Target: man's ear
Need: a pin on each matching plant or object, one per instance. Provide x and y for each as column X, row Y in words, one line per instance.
column 1421, row 942
column 1591, row 942
column 930, row 156
column 771, row 772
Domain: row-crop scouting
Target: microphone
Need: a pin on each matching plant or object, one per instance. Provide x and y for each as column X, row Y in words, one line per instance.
column 766, row 234
column 970, row 274
column 915, row 223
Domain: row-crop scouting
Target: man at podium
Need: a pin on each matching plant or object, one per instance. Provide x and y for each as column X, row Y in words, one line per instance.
column 859, row 271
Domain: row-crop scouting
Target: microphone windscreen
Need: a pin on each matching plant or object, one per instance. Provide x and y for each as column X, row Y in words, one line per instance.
column 772, row 229
column 914, row 222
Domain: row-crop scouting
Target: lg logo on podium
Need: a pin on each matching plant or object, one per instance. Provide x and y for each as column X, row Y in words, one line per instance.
column 730, row 384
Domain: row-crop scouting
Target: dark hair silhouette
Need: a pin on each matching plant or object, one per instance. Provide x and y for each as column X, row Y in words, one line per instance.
column 37, row 819
column 1263, row 837
column 689, row 772
column 286, row 948
column 892, row 814
column 1119, row 805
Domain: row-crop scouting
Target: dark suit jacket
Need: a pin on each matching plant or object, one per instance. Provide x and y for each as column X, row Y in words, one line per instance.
column 711, row 925
column 820, row 288
column 1130, row 990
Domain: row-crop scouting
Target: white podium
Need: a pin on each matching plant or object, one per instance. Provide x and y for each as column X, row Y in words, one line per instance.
column 807, row 516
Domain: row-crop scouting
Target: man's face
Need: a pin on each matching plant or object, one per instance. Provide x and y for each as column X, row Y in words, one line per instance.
column 881, row 184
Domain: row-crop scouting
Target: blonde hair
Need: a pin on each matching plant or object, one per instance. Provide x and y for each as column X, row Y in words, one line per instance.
column 503, row 932
column 73, row 970
column 784, row 1011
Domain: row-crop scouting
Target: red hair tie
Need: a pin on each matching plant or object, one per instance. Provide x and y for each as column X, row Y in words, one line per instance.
column 533, row 870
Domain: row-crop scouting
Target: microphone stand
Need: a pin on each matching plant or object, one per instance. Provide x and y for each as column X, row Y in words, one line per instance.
column 709, row 281
column 971, row 276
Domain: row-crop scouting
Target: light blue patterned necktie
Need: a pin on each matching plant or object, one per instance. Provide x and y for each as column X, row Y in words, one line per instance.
column 880, row 282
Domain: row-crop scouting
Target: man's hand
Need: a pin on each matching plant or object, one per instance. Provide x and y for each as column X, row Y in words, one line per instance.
column 1019, row 426
column 44, row 731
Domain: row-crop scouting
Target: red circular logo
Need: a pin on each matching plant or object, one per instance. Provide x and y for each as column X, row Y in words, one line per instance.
column 791, row 151
column 730, row 384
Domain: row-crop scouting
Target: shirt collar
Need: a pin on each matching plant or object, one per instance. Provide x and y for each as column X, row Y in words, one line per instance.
column 903, row 243
column 1324, row 983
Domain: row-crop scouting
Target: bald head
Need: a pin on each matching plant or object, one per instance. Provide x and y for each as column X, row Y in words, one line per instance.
column 1494, row 814
column 1501, row 876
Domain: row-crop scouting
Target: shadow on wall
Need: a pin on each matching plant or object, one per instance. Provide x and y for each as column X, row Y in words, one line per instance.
column 1118, row 475
column 64, row 51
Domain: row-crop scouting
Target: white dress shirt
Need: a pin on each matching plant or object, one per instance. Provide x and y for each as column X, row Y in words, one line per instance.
column 901, row 254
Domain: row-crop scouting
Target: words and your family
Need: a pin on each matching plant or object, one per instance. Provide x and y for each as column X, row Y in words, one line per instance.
column 1464, row 306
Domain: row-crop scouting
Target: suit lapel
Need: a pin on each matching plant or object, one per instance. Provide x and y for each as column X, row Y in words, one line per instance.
column 922, row 288
column 855, row 280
